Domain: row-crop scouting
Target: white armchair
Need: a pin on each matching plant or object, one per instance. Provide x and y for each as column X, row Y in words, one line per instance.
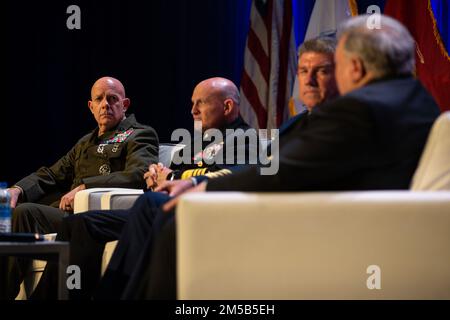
column 317, row 245
column 322, row 245
column 313, row 245
column 97, row 199
column 105, row 199
column 119, row 198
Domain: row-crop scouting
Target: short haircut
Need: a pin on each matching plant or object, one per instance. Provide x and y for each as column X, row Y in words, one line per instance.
column 325, row 45
column 386, row 51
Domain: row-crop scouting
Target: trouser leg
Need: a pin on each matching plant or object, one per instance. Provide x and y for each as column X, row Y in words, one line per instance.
column 155, row 267
column 161, row 276
column 37, row 218
column 11, row 275
column 130, row 246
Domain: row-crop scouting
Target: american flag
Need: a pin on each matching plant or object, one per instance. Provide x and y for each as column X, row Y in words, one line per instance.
column 269, row 64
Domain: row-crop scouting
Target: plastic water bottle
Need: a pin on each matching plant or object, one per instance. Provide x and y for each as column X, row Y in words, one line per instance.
column 5, row 208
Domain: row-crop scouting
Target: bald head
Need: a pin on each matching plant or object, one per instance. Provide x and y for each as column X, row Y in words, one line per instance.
column 111, row 83
column 223, row 87
column 108, row 103
column 215, row 102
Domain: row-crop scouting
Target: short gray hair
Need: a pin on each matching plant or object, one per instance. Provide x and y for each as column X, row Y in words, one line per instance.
column 325, row 45
column 386, row 51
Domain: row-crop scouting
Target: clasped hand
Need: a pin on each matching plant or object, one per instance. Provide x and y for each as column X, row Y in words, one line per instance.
column 156, row 175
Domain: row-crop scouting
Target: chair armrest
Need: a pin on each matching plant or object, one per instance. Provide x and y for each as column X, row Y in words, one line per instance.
column 90, row 199
column 313, row 245
column 120, row 199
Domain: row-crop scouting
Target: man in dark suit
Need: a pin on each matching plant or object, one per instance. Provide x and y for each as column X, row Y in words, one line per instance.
column 316, row 81
column 370, row 138
column 316, row 85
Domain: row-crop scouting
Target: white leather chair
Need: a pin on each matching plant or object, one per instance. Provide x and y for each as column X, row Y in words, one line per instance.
column 433, row 172
column 92, row 199
column 119, row 198
column 313, row 245
column 321, row 245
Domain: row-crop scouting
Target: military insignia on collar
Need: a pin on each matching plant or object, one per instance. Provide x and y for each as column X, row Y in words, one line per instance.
column 119, row 137
column 208, row 153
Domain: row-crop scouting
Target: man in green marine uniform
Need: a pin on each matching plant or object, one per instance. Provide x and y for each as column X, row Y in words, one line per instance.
column 116, row 154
